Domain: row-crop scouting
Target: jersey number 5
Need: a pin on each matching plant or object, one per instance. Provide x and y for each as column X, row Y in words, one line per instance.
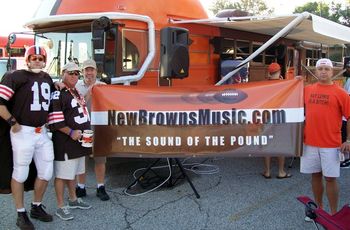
column 44, row 90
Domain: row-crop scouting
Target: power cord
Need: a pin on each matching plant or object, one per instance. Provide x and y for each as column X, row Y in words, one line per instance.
column 193, row 167
column 151, row 190
column 196, row 167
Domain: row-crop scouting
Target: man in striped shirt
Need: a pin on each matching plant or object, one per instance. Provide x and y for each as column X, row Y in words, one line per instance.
column 24, row 104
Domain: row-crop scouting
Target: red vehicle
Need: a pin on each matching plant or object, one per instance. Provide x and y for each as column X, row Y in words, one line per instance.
column 17, row 49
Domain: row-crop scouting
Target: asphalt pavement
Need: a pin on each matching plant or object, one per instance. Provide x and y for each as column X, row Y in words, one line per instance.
column 233, row 195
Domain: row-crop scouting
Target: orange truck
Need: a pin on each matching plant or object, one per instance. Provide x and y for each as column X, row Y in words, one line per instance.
column 167, row 60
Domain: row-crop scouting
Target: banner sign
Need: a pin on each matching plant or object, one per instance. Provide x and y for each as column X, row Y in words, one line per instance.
column 250, row 119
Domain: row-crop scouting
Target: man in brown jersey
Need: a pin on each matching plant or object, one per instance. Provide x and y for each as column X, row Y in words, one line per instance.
column 68, row 116
column 24, row 105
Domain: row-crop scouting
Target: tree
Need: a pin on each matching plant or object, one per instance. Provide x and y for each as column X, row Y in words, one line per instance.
column 221, row 5
column 317, row 8
column 254, row 7
column 335, row 11
column 340, row 14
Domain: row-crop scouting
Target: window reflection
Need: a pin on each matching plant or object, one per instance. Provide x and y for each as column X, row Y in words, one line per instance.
column 64, row 46
column 135, row 46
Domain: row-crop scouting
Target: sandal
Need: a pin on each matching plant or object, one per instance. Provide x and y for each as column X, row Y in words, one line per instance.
column 266, row 177
column 288, row 175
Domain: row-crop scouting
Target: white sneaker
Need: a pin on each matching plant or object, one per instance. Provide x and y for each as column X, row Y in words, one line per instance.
column 308, row 219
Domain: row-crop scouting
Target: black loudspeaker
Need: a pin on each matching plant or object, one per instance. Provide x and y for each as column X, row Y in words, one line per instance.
column 174, row 56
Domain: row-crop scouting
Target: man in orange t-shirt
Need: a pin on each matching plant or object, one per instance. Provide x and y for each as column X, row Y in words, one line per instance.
column 325, row 104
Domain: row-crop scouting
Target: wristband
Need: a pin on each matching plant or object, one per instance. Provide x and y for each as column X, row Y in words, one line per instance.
column 11, row 121
column 70, row 132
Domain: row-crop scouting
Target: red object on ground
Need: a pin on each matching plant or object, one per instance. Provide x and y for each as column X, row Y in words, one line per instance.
column 338, row 221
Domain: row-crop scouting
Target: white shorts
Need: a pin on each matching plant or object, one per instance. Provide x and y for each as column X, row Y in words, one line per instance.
column 325, row 160
column 68, row 169
column 28, row 144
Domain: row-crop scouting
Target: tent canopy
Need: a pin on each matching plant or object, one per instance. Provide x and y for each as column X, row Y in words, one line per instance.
column 313, row 28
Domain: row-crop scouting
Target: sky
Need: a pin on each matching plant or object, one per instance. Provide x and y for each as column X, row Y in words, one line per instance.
column 13, row 21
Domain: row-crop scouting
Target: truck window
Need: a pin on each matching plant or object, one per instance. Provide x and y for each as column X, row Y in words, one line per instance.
column 110, row 52
column 3, row 68
column 18, row 52
column 242, row 49
column 259, row 58
column 134, row 49
column 65, row 46
column 270, row 55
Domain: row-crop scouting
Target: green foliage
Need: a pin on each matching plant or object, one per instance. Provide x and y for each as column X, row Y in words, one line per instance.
column 340, row 14
column 317, row 8
column 254, row 7
column 335, row 11
column 221, row 5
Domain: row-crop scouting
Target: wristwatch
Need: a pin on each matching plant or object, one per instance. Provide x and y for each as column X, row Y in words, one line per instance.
column 11, row 121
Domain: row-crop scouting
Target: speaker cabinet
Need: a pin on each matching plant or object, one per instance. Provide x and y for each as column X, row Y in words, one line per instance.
column 174, row 56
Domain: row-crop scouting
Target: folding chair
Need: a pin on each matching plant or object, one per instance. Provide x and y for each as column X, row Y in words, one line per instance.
column 338, row 221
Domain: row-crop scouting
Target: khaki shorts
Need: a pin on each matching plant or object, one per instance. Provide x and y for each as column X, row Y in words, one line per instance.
column 325, row 160
column 68, row 169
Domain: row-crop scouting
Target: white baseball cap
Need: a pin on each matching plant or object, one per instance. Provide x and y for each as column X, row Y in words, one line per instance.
column 89, row 63
column 324, row 62
column 71, row 66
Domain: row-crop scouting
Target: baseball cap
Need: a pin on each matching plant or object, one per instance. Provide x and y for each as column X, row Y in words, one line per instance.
column 274, row 67
column 71, row 66
column 89, row 63
column 324, row 62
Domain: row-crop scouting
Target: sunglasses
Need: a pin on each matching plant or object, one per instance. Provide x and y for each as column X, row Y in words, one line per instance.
column 36, row 59
column 73, row 73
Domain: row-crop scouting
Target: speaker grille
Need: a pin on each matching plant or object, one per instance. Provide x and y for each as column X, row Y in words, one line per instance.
column 180, row 61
